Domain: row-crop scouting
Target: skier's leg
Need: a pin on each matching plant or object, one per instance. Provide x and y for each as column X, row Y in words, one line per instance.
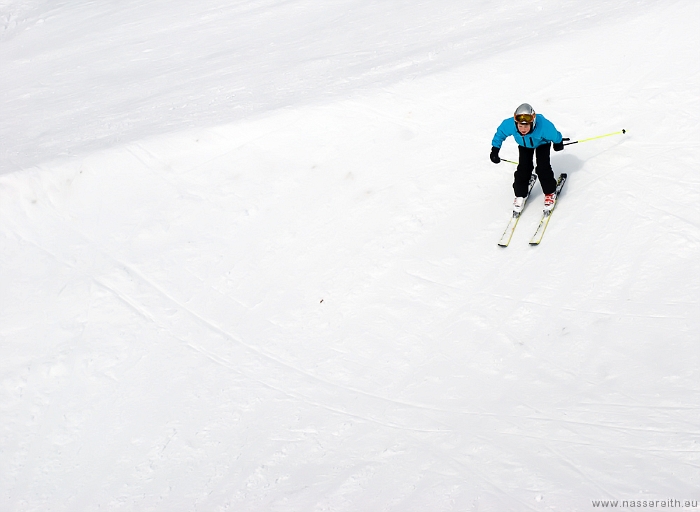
column 544, row 169
column 524, row 171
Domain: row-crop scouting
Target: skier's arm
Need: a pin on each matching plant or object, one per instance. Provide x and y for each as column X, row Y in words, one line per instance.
column 501, row 134
column 552, row 134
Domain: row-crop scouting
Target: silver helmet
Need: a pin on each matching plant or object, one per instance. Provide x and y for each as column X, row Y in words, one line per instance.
column 525, row 114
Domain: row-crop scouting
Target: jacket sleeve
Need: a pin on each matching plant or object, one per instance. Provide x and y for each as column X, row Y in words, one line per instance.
column 552, row 134
column 502, row 133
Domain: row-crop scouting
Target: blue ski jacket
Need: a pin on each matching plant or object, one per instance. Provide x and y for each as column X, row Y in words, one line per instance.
column 544, row 133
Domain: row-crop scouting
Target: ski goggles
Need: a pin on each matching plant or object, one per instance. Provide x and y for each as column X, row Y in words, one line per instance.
column 524, row 118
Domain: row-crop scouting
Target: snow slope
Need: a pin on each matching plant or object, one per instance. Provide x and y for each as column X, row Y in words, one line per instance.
column 248, row 257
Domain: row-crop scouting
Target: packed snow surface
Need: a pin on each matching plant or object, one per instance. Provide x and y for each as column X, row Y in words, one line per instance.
column 248, row 256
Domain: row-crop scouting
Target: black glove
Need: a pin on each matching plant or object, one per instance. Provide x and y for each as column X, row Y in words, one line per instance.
column 494, row 155
column 558, row 146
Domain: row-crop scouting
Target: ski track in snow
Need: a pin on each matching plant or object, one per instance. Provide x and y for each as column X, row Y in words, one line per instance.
column 249, row 262
column 167, row 303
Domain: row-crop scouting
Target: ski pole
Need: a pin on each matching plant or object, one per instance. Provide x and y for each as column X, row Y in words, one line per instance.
column 593, row 138
column 578, row 141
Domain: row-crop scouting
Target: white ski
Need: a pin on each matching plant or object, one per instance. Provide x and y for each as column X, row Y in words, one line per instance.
column 510, row 228
column 547, row 214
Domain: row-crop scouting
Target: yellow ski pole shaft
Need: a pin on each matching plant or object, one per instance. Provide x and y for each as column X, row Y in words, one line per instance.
column 593, row 138
column 577, row 142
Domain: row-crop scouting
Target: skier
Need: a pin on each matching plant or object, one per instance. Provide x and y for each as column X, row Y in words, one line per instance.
column 534, row 135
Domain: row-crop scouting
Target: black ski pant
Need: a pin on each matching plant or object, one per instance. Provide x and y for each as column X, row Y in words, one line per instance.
column 543, row 170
